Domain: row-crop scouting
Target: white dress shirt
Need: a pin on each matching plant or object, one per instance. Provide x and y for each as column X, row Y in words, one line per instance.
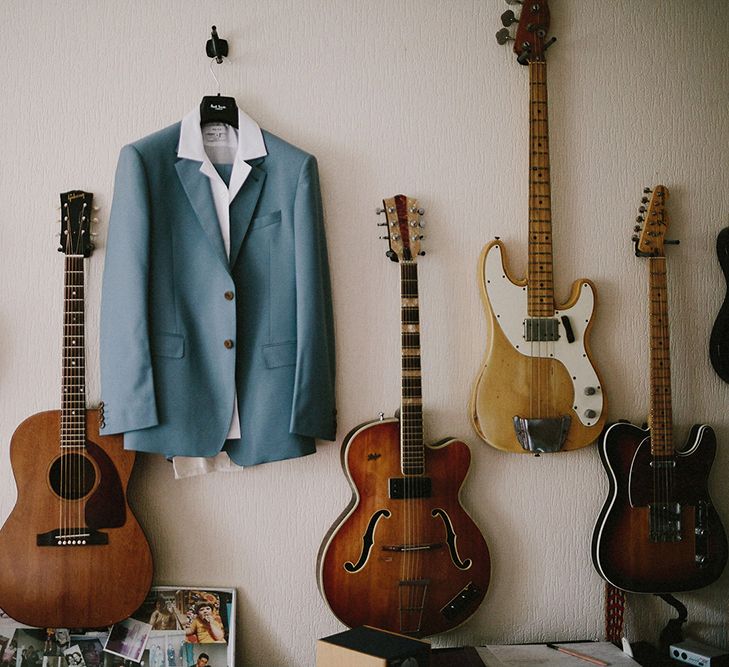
column 219, row 143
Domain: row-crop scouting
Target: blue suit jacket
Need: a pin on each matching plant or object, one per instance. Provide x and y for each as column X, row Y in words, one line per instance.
column 183, row 327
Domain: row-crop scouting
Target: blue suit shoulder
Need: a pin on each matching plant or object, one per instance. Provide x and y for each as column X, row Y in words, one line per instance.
column 283, row 150
column 162, row 141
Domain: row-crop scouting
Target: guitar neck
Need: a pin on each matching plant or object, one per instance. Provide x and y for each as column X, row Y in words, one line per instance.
column 540, row 289
column 661, row 417
column 411, row 401
column 73, row 384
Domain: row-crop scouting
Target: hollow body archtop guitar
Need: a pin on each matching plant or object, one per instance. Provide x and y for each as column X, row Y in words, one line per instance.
column 404, row 555
column 71, row 552
column 658, row 531
column 538, row 390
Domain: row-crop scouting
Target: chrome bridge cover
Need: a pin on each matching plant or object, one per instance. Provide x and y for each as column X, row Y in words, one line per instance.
column 542, row 435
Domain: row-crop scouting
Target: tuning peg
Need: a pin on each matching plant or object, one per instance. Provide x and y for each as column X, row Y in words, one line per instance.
column 513, row 2
column 94, row 220
column 641, row 209
column 644, row 200
column 647, row 190
column 634, row 238
column 384, row 238
column 503, row 36
column 379, row 210
column 392, row 255
column 639, row 218
column 671, row 241
column 637, row 228
column 507, row 18
column 95, row 208
column 421, row 253
column 382, row 224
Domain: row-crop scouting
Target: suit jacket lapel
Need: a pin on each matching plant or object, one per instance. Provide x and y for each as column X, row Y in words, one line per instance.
column 242, row 208
column 197, row 187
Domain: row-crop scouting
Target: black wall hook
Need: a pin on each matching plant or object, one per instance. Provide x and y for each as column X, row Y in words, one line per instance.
column 215, row 47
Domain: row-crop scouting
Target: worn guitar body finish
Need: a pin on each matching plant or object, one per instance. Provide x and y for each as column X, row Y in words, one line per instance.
column 622, row 549
column 72, row 585
column 523, row 379
column 398, row 564
column 719, row 340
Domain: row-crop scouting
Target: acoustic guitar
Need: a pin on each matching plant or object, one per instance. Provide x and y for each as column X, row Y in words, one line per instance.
column 71, row 552
column 404, row 555
column 658, row 531
column 719, row 340
column 538, row 390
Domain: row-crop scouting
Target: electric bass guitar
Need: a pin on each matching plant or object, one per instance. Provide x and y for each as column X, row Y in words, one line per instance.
column 538, row 390
column 658, row 531
column 71, row 552
column 719, row 340
column 404, row 555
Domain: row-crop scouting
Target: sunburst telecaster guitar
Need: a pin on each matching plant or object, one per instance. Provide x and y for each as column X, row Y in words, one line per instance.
column 538, row 390
column 658, row 531
column 71, row 552
column 404, row 555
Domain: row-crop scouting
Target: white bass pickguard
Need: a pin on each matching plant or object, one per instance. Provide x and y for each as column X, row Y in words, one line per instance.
column 509, row 305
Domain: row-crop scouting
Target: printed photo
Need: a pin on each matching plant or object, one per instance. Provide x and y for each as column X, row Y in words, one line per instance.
column 128, row 638
column 74, row 657
column 203, row 615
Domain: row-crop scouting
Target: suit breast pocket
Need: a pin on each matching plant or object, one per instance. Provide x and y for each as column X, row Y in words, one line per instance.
column 263, row 221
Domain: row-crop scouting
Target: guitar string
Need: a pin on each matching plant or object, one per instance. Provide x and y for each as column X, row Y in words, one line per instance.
column 66, row 462
column 666, row 383
column 655, row 398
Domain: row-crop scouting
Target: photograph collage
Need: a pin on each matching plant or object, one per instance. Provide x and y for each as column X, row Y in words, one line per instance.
column 174, row 627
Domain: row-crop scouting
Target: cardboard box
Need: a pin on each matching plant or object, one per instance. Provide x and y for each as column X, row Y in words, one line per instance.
column 370, row 647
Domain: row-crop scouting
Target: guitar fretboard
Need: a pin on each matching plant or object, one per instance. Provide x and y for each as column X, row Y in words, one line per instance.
column 540, row 289
column 411, row 403
column 661, row 417
column 73, row 385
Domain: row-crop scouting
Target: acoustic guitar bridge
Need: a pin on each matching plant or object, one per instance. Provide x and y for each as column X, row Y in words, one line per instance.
column 71, row 537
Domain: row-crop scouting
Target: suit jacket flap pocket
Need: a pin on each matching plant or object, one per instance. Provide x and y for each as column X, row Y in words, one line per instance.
column 168, row 345
column 266, row 220
column 281, row 354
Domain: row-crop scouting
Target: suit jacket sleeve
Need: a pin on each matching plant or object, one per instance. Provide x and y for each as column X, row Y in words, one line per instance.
column 127, row 385
column 313, row 410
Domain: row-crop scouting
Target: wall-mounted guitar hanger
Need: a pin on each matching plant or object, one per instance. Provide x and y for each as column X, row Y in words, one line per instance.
column 217, row 108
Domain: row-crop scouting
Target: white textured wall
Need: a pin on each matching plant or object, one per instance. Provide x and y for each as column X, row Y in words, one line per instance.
column 410, row 96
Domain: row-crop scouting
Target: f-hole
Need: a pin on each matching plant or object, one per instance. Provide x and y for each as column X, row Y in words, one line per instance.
column 367, row 542
column 451, row 538
column 72, row 476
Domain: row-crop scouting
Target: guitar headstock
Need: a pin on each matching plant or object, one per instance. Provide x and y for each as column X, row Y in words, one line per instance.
column 404, row 227
column 650, row 238
column 76, row 211
column 530, row 41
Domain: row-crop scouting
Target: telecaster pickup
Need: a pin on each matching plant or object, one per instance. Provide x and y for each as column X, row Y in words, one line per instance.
column 541, row 329
column 402, row 488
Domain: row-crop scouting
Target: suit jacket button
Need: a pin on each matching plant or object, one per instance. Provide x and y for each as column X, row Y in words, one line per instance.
column 229, row 296
column 228, row 343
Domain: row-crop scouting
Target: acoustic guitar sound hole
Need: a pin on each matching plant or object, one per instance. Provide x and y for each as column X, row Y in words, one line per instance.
column 72, row 476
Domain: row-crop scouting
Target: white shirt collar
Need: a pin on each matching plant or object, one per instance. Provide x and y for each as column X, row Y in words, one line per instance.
column 250, row 138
